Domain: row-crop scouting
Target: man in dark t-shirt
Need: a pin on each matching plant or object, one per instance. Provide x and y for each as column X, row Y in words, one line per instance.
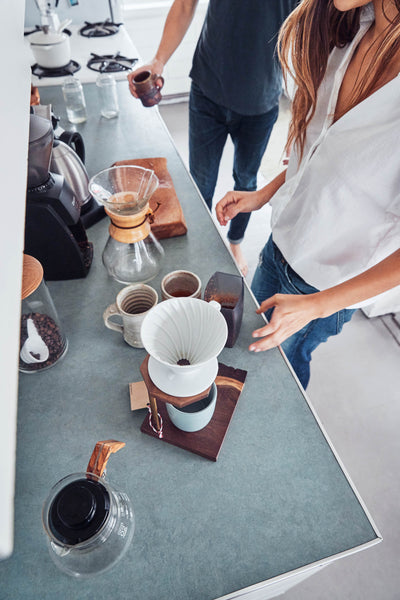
column 235, row 91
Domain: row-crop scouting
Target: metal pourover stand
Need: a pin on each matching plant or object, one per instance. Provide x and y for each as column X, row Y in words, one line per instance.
column 208, row 441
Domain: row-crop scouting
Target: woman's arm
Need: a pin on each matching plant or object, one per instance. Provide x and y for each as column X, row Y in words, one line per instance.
column 176, row 25
column 291, row 312
column 235, row 202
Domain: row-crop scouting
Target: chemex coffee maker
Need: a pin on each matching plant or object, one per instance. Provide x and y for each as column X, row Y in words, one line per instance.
column 132, row 253
column 54, row 232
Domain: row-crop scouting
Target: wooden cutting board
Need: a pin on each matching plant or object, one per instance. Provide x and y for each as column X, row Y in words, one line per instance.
column 169, row 220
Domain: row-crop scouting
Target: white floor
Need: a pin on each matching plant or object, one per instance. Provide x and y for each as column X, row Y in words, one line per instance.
column 355, row 390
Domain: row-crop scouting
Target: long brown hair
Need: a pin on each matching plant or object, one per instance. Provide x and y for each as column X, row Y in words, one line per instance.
column 306, row 39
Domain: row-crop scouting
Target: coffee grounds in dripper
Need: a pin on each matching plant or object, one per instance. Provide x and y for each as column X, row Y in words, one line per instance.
column 183, row 362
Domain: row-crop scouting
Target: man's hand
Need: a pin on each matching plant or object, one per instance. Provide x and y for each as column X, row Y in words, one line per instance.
column 155, row 66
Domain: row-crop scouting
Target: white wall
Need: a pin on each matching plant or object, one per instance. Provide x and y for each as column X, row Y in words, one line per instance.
column 144, row 22
column 85, row 10
column 14, row 127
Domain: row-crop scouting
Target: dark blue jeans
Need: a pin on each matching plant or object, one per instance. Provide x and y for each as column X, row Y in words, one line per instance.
column 274, row 275
column 209, row 127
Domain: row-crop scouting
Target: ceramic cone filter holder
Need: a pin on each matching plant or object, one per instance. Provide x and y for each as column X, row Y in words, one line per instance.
column 183, row 337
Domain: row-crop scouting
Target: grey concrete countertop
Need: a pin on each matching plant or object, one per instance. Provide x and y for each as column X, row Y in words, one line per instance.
column 276, row 500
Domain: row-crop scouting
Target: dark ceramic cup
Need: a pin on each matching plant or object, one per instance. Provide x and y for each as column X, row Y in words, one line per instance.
column 147, row 88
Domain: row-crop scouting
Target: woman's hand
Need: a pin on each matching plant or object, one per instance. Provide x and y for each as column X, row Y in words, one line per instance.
column 155, row 66
column 291, row 313
column 234, row 203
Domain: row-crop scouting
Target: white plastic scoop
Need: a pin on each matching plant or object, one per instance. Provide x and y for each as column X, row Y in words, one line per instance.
column 34, row 349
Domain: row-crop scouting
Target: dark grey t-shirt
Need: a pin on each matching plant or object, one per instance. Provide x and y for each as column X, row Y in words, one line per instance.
column 235, row 63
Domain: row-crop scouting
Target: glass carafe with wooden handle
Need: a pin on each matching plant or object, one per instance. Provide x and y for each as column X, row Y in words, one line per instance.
column 89, row 522
column 132, row 254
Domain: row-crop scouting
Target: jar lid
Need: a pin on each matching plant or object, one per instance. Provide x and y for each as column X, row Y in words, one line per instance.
column 79, row 511
column 32, row 275
column 40, row 38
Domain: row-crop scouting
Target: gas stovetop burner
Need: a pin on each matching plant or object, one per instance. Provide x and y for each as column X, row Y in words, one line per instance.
column 101, row 29
column 69, row 69
column 110, row 63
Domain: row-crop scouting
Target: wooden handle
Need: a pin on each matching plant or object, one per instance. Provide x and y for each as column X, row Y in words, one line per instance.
column 101, row 454
column 222, row 381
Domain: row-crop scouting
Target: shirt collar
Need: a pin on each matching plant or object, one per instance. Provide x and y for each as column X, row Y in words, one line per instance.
column 367, row 13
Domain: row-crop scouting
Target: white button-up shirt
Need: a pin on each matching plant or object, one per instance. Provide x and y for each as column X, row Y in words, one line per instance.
column 338, row 212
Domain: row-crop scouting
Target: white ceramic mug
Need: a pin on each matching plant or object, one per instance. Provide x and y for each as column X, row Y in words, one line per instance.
column 196, row 416
column 180, row 284
column 131, row 305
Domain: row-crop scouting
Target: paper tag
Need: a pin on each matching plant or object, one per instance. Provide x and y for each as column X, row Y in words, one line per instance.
column 139, row 395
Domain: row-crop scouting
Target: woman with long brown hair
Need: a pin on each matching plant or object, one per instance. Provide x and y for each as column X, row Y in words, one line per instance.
column 336, row 209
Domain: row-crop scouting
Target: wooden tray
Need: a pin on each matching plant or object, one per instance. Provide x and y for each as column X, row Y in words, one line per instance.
column 169, row 220
column 208, row 441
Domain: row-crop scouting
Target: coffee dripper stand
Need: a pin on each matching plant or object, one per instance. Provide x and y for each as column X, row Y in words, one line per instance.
column 228, row 290
column 207, row 441
column 156, row 395
column 190, row 396
column 132, row 254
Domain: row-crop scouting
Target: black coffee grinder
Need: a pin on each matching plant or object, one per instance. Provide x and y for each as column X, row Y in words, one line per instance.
column 54, row 233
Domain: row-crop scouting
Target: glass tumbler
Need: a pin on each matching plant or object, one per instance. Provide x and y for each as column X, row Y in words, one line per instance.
column 108, row 95
column 74, row 100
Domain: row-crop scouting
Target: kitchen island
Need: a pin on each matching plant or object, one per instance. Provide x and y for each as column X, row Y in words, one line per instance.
column 275, row 507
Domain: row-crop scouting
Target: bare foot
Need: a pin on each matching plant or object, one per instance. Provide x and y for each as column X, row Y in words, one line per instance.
column 236, row 250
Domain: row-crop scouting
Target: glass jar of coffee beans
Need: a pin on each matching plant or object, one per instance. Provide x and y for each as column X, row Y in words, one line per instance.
column 42, row 341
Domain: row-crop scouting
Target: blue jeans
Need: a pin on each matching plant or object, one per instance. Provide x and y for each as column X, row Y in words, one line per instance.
column 209, row 127
column 274, row 275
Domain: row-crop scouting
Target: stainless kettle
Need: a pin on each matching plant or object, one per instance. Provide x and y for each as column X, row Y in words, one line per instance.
column 67, row 159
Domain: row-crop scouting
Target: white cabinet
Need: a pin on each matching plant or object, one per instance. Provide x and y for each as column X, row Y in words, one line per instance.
column 14, row 127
